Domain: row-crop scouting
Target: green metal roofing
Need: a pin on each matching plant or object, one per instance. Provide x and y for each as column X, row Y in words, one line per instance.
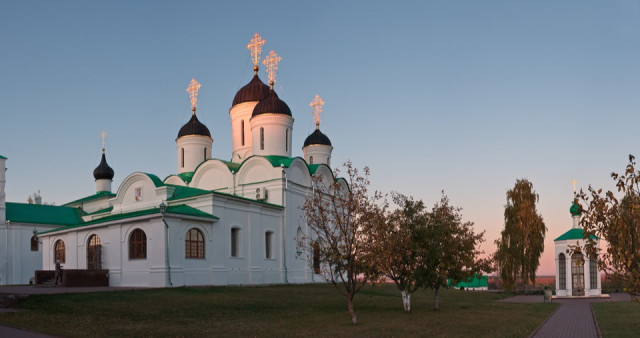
column 101, row 211
column 2, row 157
column 156, row 181
column 575, row 233
column 477, row 281
column 178, row 209
column 278, row 161
column 313, row 168
column 185, row 192
column 186, row 177
column 99, row 195
column 43, row 214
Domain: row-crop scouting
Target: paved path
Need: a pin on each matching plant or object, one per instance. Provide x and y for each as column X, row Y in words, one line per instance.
column 573, row 318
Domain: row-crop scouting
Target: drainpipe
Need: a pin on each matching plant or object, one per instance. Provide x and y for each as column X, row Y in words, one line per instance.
column 163, row 208
column 284, row 227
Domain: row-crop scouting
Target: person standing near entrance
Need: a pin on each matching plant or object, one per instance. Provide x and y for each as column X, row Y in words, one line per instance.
column 58, row 272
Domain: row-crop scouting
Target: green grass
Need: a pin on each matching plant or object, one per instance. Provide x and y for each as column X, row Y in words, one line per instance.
column 618, row 319
column 288, row 310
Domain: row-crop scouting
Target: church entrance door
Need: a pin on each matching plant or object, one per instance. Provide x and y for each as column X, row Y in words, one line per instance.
column 577, row 274
column 94, row 253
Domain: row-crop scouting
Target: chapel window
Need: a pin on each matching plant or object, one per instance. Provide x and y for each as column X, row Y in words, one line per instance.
column 194, row 244
column 182, row 157
column 138, row 245
column 59, row 251
column 286, row 140
column 261, row 138
column 94, row 253
column 235, row 242
column 310, row 159
column 34, row 243
column 593, row 272
column 242, row 132
column 562, row 271
column 205, row 154
column 268, row 244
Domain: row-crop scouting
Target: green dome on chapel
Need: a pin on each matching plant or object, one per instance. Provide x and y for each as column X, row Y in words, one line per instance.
column 575, row 209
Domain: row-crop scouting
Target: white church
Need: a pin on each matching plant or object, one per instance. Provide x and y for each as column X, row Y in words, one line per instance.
column 214, row 222
column 577, row 275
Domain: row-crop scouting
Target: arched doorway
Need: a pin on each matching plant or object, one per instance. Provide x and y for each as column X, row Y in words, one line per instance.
column 577, row 274
column 94, row 253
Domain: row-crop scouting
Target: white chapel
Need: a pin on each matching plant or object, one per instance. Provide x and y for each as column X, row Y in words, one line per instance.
column 214, row 222
column 577, row 275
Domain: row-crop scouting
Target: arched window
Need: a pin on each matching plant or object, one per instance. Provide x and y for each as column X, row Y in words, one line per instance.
column 562, row 272
column 268, row 244
column 261, row 138
column 316, row 258
column 59, row 251
column 94, row 253
column 286, row 140
column 34, row 243
column 138, row 245
column 194, row 244
column 242, row 132
column 182, row 157
column 235, row 242
column 577, row 274
column 205, row 153
column 310, row 159
column 593, row 272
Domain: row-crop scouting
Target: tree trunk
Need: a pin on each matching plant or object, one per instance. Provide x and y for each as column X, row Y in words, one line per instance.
column 351, row 312
column 406, row 301
column 437, row 294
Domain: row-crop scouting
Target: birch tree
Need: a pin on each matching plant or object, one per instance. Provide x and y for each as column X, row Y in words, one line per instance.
column 339, row 216
column 522, row 240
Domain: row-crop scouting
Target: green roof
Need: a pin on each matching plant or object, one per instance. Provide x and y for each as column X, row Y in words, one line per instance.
column 2, row 157
column 313, row 168
column 185, row 192
column 43, row 214
column 186, row 177
column 278, row 161
column 477, row 281
column 156, row 181
column 178, row 209
column 575, row 233
column 99, row 195
column 101, row 211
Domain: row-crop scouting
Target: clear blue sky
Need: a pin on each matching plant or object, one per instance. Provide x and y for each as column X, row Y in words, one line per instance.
column 463, row 96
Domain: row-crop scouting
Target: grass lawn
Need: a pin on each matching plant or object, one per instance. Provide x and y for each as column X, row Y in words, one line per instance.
column 288, row 310
column 618, row 319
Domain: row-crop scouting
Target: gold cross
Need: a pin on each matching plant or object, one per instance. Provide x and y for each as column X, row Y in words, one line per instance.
column 192, row 89
column 574, row 185
column 316, row 105
column 103, row 136
column 271, row 62
column 255, row 47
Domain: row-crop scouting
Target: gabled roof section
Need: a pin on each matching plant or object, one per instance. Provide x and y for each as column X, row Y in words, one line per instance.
column 43, row 214
column 156, row 181
column 181, row 192
column 277, row 161
column 101, row 211
column 186, row 176
column 177, row 209
column 99, row 195
column 576, row 233
column 313, row 168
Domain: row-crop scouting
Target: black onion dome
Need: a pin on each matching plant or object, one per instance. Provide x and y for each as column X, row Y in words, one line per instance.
column 317, row 138
column 103, row 171
column 194, row 127
column 271, row 105
column 255, row 90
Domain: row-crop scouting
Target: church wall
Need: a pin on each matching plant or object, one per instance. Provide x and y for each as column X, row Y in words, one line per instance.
column 276, row 141
column 17, row 261
column 241, row 112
